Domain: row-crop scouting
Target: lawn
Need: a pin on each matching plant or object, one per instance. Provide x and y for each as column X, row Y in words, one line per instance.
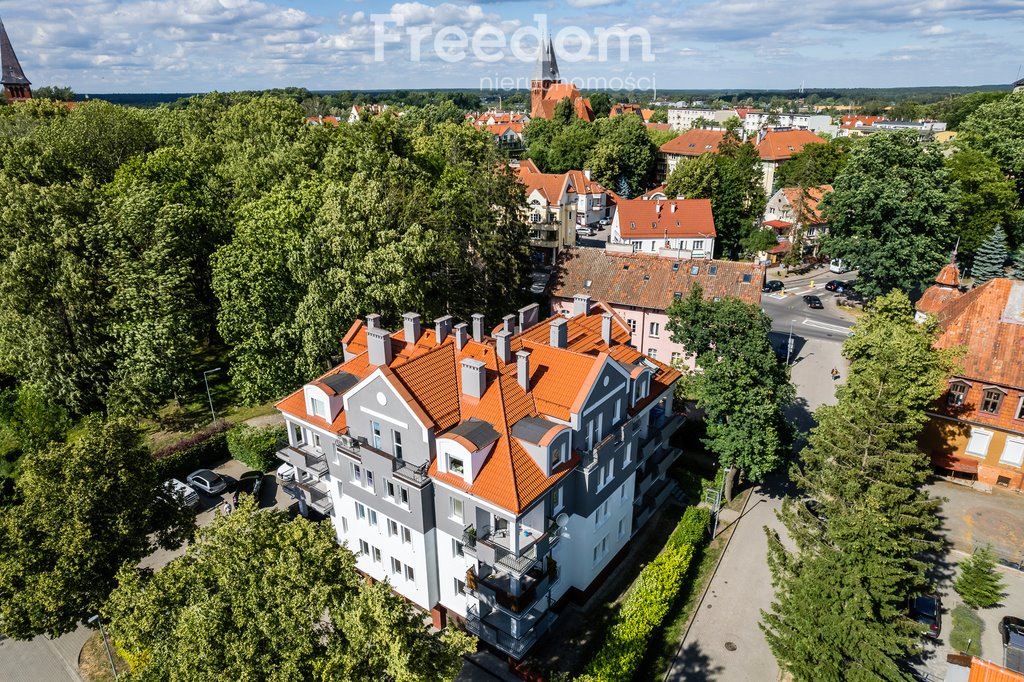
column 93, row 663
column 967, row 629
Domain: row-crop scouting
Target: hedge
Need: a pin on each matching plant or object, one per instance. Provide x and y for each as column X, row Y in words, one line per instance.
column 255, row 447
column 202, row 449
column 648, row 602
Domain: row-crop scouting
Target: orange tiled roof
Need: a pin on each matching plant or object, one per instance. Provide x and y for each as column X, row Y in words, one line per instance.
column 986, row 671
column 811, row 197
column 937, row 297
column 553, row 186
column 583, row 185
column 849, row 122
column 647, row 219
column 694, row 142
column 779, row 145
column 949, row 276
column 650, row 281
column 528, row 166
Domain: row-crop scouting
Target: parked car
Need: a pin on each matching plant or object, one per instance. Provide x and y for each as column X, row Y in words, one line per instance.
column 249, row 483
column 539, row 281
column 927, row 610
column 183, row 492
column 207, row 481
column 813, row 302
column 586, row 231
column 604, row 222
column 838, row 266
column 1012, row 630
column 837, row 286
column 773, row 285
column 285, row 473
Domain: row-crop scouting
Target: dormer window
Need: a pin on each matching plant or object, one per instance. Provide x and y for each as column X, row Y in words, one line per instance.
column 456, row 466
column 957, row 394
column 319, row 407
column 557, row 455
column 992, row 398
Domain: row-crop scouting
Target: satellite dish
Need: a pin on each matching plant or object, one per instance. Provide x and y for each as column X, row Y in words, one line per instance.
column 562, row 520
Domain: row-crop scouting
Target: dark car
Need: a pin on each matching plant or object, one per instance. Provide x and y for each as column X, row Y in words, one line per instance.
column 927, row 610
column 836, row 285
column 1012, row 630
column 813, row 302
column 249, row 483
column 773, row 285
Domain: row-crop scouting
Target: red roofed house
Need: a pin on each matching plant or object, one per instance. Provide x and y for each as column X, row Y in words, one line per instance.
column 551, row 210
column 977, row 427
column 690, row 144
column 486, row 477
column 683, row 226
column 777, row 146
column 796, row 209
column 594, row 201
column 640, row 287
column 547, row 89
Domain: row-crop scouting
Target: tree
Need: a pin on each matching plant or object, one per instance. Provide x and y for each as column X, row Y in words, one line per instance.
column 694, row 178
column 978, row 584
column 815, row 164
column 997, row 128
column 286, row 603
column 864, row 540
column 624, row 149
column 622, row 188
column 32, row 417
column 955, row 110
column 86, row 507
column 987, row 198
column 54, row 92
column 990, row 261
column 1018, row 265
column 740, row 383
column 601, row 103
column 890, row 213
column 660, row 115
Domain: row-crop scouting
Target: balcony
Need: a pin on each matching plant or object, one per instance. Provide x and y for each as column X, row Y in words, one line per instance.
column 495, row 628
column 504, row 591
column 416, row 475
column 303, row 458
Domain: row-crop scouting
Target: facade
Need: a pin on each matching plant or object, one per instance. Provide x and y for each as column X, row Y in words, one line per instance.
column 756, row 121
column 794, row 210
column 551, row 210
column 778, row 146
column 547, row 89
column 688, row 145
column 640, row 287
column 487, row 476
column 17, row 87
column 684, row 226
column 594, row 202
column 684, row 119
column 977, row 426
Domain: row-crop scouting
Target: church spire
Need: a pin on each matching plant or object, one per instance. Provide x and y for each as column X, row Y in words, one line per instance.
column 16, row 85
column 547, row 66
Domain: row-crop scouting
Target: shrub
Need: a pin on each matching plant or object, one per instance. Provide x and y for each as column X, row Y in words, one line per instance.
column 967, row 629
column 647, row 603
column 202, row 449
column 978, row 584
column 255, row 447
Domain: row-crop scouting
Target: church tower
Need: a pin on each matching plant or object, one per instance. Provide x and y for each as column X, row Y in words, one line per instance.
column 545, row 75
column 16, row 86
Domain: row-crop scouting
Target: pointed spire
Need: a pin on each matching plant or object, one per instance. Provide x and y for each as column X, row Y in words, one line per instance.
column 9, row 65
column 547, row 66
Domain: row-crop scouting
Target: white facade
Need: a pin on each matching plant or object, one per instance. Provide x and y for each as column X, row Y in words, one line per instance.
column 695, row 246
column 759, row 120
column 684, row 119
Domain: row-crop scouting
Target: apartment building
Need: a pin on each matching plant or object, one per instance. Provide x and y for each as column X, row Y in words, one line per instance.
column 684, row 226
column 552, row 202
column 487, row 475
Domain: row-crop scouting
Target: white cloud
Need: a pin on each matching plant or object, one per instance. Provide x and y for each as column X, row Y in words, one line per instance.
column 593, row 3
column 937, row 30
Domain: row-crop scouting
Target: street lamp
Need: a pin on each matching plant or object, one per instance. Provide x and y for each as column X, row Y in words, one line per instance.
column 208, row 396
column 103, row 634
column 789, row 344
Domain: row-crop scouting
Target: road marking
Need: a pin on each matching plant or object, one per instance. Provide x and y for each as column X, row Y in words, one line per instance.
column 826, row 326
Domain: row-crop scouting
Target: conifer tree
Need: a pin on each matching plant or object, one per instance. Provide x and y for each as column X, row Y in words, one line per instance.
column 991, row 257
column 978, row 583
column 622, row 187
column 1018, row 265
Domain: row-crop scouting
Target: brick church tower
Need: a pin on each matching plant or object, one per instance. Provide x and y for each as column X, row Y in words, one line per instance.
column 544, row 77
column 16, row 85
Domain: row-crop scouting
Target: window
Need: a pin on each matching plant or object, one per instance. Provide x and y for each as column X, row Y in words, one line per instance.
column 392, row 527
column 956, row 395
column 297, row 433
column 1013, row 453
column 747, row 278
column 397, row 440
column 556, row 499
column 389, row 489
column 403, row 496
column 652, row 353
column 376, row 555
column 409, row 575
column 360, row 511
column 369, row 479
column 991, row 400
column 396, row 566
column 556, row 455
column 600, row 549
column 357, row 474
column 628, row 456
column 632, row 326
column 455, row 509
column 698, row 245
column 344, row 524
column 677, row 294
column 601, row 515
column 460, row 586
column 373, row 517
column 455, row 465
column 622, row 492
column 979, row 442
column 676, row 357
column 406, row 536
column 694, row 269
column 604, row 475
column 364, row 547
column 622, row 528
column 375, row 429
column 618, row 410
column 713, row 270
column 655, row 330
column 1020, row 408
column 319, row 409
column 457, row 548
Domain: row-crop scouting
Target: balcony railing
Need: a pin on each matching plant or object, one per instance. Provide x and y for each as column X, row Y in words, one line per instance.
column 417, row 475
column 496, row 590
column 487, row 629
column 303, row 458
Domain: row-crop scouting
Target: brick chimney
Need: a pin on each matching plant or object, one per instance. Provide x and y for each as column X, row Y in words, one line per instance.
column 523, row 369
column 461, row 332
column 559, row 332
column 411, row 327
column 378, row 343
column 442, row 328
column 478, row 327
column 474, row 378
column 580, row 304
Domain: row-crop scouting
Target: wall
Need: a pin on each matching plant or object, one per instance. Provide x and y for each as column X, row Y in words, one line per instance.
column 948, row 437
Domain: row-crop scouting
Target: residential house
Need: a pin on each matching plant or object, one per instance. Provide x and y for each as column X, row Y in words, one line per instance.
column 594, row 202
column 684, row 226
column 757, row 121
column 850, row 126
column 359, row 110
column 793, row 210
column 486, row 477
column 508, row 136
column 323, row 120
column 634, row 109
column 547, row 89
column 778, row 146
column 551, row 210
column 688, row 145
column 640, row 287
column 685, row 119
column 977, row 426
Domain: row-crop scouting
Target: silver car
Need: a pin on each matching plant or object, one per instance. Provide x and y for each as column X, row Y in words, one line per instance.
column 207, row 481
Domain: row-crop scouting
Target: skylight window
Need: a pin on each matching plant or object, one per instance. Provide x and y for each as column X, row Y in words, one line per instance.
column 675, row 267
column 587, row 283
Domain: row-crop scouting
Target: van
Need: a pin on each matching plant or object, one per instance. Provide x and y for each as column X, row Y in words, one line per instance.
column 183, row 492
column 837, row 265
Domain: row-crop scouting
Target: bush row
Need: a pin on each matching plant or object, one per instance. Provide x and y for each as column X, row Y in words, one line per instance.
column 256, row 447
column 648, row 602
column 178, row 461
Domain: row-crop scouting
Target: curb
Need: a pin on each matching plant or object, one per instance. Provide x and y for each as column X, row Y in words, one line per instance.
column 707, row 586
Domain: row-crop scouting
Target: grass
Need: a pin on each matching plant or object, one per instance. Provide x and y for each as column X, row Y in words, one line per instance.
column 967, row 629
column 93, row 664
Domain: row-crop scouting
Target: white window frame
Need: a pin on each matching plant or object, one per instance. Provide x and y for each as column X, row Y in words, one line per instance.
column 360, row 511
column 318, row 406
column 557, row 501
column 1019, row 414
column 389, row 489
column 1017, row 443
column 364, row 547
column 453, row 504
column 654, row 330
column 461, row 470
column 457, row 548
column 410, row 574
column 392, row 527
column 372, row 516
column 376, row 555
column 406, row 535
column 982, row 434
column 396, row 443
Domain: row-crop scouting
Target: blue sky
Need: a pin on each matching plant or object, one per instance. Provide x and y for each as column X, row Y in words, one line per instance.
column 198, row 45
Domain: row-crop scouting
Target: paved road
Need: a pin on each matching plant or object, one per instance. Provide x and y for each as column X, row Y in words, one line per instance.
column 789, row 312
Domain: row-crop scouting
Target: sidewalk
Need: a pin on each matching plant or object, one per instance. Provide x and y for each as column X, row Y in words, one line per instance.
column 42, row 658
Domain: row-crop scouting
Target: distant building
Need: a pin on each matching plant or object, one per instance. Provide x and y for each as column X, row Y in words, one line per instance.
column 684, row 119
column 547, row 89
column 17, row 87
column 594, row 200
column 756, row 121
column 690, row 144
column 1019, row 86
column 794, row 209
column 635, row 109
column 685, row 227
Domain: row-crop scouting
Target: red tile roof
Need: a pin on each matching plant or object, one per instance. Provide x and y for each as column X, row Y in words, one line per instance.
column 650, row 281
column 779, row 145
column 986, row 671
column 849, row 122
column 949, row 276
column 583, row 185
column 694, row 142
column 809, row 198
column 654, row 218
column 552, row 186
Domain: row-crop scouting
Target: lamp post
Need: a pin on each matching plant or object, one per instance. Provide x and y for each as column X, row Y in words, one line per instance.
column 789, row 344
column 208, row 396
column 110, row 657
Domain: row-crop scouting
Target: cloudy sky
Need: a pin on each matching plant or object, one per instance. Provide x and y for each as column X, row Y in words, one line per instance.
column 199, row 45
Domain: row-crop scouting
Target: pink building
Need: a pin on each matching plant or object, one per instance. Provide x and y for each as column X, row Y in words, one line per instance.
column 640, row 288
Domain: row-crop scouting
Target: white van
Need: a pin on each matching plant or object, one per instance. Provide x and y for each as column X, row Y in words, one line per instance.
column 836, row 265
column 183, row 492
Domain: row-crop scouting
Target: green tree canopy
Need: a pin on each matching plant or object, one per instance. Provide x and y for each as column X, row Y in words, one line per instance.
column 987, row 198
column 997, row 128
column 979, row 584
column 86, row 507
column 990, row 261
column 890, row 213
column 54, row 92
column 815, row 164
